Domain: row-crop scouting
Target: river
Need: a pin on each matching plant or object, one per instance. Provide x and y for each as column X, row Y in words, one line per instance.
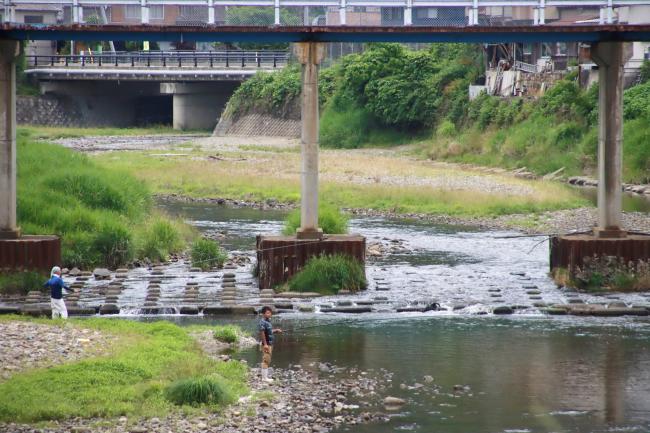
column 522, row 373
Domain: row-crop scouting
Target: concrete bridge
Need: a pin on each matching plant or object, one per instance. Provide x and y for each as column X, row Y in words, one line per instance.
column 191, row 87
column 608, row 47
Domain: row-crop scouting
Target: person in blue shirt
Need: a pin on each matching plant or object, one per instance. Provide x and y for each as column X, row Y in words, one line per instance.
column 266, row 341
column 57, row 287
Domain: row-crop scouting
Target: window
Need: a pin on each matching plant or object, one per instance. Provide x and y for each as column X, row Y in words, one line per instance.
column 426, row 13
column 157, row 12
column 528, row 49
column 132, row 12
column 33, row 19
column 561, row 49
column 393, row 14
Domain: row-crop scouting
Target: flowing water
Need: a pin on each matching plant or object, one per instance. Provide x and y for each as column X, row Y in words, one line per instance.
column 523, row 373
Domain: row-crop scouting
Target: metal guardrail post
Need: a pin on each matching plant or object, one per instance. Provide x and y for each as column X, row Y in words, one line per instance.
column 474, row 14
column 227, row 59
column 52, row 61
column 610, row 12
column 343, row 7
column 259, row 59
column 75, row 11
column 542, row 12
column 144, row 12
column 408, row 13
column 195, row 61
column 275, row 61
column 211, row 19
column 7, row 11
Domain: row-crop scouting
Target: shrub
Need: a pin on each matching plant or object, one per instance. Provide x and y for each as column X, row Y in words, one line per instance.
column 113, row 245
column 207, row 254
column 20, row 283
column 446, row 129
column 330, row 219
column 227, row 334
column 329, row 274
column 207, row 390
column 160, row 238
column 611, row 273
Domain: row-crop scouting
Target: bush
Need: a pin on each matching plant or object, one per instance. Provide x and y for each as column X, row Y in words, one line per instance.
column 227, row 334
column 611, row 273
column 328, row 275
column 330, row 219
column 99, row 213
column 160, row 238
column 207, row 254
column 20, row 283
column 446, row 129
column 208, row 390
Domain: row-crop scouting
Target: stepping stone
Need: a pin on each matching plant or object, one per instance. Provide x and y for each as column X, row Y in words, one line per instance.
column 494, row 290
column 121, row 270
column 109, row 309
column 191, row 283
column 149, row 310
column 576, row 301
column 533, row 292
column 535, row 298
column 520, row 274
column 617, row 305
column 306, row 308
column 195, row 269
column 344, row 303
column 228, row 275
column 9, row 310
column 80, row 311
column 221, row 310
column 495, row 295
column 540, row 304
column 191, row 310
column 380, row 298
column 459, row 307
column 502, row 310
column 382, row 289
column 157, row 273
column 154, row 281
column 410, row 310
column 150, row 303
column 83, row 278
column 284, row 306
column 553, row 311
column 365, row 302
column 350, row 310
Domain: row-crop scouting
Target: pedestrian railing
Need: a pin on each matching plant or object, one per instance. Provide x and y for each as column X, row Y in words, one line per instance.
column 164, row 59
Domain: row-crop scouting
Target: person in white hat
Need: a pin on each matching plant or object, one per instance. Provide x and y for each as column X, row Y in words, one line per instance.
column 57, row 287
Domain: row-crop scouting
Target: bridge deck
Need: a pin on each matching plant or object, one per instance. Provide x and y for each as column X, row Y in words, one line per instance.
column 212, row 33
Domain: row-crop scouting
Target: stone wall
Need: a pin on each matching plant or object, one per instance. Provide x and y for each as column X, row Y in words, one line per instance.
column 257, row 124
column 48, row 111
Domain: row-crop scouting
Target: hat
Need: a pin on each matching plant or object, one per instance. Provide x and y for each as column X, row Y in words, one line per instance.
column 55, row 270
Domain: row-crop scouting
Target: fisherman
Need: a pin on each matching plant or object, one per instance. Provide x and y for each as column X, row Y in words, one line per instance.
column 266, row 341
column 57, row 287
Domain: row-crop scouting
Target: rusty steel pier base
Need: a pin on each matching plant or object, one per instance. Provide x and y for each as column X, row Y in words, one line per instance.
column 37, row 253
column 280, row 257
column 569, row 251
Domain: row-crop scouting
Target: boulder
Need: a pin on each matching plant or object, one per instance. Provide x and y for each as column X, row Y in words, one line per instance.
column 502, row 310
column 101, row 274
column 109, row 309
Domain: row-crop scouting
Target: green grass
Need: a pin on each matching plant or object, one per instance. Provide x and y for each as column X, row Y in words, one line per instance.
column 197, row 391
column 104, row 215
column 52, row 132
column 227, row 334
column 328, row 275
column 20, row 283
column 131, row 380
column 207, row 254
column 330, row 219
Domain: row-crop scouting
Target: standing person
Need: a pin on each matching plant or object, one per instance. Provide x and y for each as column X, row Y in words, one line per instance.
column 57, row 286
column 266, row 341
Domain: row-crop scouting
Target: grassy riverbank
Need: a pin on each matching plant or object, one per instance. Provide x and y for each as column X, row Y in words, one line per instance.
column 130, row 378
column 53, row 132
column 104, row 215
column 369, row 179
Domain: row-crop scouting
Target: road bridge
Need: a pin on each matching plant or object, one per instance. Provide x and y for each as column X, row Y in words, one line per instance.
column 124, row 88
column 608, row 34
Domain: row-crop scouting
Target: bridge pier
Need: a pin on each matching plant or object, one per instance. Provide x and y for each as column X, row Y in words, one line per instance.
column 9, row 51
column 16, row 251
column 197, row 105
column 309, row 54
column 608, row 238
column 281, row 257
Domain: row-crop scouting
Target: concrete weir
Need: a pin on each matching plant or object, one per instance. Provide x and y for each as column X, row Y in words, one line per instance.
column 608, row 238
column 280, row 257
column 16, row 251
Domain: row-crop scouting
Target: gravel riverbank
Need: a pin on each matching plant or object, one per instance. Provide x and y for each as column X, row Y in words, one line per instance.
column 315, row 398
column 27, row 345
column 555, row 222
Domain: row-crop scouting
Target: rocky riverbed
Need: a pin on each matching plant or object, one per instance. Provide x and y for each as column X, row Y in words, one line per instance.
column 315, row 398
column 26, row 345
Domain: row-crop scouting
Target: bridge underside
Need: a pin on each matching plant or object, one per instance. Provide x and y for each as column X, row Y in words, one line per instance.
column 271, row 34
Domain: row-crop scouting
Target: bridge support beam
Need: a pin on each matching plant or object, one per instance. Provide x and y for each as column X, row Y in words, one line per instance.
column 610, row 58
column 310, row 55
column 9, row 51
column 197, row 105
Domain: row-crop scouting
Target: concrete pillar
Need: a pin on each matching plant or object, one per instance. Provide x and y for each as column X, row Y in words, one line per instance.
column 9, row 51
column 343, row 7
column 610, row 58
column 198, row 105
column 408, row 13
column 309, row 54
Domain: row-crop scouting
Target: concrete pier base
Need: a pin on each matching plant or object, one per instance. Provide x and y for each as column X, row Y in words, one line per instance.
column 281, row 257
column 568, row 252
column 37, row 253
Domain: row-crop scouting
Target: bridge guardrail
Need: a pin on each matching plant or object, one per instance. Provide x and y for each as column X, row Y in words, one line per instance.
column 164, row 59
column 334, row 12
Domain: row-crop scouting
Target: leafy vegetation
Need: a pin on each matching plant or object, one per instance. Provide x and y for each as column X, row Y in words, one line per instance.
column 330, row 219
column 20, row 283
column 196, row 391
column 131, row 378
column 207, row 254
column 610, row 273
column 227, row 334
column 100, row 213
column 329, row 274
